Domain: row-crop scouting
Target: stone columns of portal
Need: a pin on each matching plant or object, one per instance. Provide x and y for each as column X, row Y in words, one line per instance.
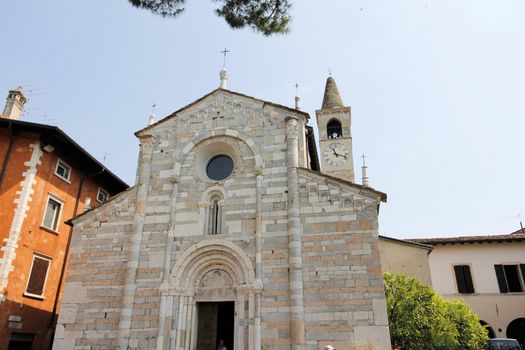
column 143, row 177
column 295, row 260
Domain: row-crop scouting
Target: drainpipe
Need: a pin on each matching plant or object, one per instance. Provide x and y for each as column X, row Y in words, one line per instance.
column 8, row 153
column 66, row 253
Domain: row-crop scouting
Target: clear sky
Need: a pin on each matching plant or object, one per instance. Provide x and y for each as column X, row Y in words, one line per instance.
column 436, row 89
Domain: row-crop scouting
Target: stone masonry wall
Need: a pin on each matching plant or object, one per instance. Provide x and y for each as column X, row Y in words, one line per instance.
column 343, row 282
column 90, row 307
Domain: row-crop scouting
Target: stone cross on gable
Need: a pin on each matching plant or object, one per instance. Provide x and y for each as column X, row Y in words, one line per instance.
column 224, row 52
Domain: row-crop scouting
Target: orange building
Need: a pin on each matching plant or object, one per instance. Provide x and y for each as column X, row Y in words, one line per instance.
column 46, row 178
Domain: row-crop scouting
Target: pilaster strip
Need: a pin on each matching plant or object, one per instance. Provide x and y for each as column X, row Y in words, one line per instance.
column 22, row 206
column 128, row 297
column 297, row 330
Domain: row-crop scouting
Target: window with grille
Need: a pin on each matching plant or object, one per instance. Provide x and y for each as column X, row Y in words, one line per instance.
column 510, row 277
column 38, row 276
column 464, row 279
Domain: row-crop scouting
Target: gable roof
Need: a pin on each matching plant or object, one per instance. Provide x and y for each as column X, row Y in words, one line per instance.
column 361, row 189
column 137, row 133
column 514, row 237
column 62, row 142
column 406, row 242
column 71, row 221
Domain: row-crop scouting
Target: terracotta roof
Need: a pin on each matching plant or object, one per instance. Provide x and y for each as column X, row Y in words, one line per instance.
column 66, row 147
column 518, row 232
column 403, row 241
column 515, row 237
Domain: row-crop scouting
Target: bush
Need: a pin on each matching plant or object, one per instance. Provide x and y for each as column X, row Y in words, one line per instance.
column 419, row 318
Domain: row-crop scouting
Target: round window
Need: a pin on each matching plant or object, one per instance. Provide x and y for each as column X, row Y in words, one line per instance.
column 219, row 167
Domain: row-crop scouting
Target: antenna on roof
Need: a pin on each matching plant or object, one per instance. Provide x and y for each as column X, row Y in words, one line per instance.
column 522, row 229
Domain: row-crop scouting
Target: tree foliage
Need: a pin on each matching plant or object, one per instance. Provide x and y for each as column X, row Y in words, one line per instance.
column 266, row 16
column 419, row 318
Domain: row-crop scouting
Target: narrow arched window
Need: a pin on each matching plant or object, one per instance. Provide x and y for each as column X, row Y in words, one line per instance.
column 333, row 129
column 213, row 219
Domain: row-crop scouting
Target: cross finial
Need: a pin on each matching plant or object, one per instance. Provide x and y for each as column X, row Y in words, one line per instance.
column 364, row 162
column 296, row 89
column 329, row 71
column 224, row 52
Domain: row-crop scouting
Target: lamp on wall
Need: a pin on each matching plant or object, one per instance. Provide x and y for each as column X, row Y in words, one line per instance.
column 46, row 147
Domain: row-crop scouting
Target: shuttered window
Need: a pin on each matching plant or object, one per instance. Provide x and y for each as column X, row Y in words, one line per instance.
column 510, row 277
column 464, row 279
column 38, row 275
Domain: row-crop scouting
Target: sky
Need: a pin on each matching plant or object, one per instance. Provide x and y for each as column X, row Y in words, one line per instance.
column 436, row 89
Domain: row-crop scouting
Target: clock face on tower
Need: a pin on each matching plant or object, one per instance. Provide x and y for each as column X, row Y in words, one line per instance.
column 335, row 154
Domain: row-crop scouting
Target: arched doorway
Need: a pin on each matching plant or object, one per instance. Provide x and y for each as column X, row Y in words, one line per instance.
column 212, row 296
column 489, row 329
column 516, row 330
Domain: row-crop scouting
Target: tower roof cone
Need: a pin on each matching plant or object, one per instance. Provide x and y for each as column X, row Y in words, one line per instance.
column 331, row 98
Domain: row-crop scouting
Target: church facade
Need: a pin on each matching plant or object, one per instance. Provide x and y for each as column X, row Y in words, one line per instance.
column 231, row 235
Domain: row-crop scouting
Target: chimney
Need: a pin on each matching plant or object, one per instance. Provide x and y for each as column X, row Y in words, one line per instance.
column 14, row 105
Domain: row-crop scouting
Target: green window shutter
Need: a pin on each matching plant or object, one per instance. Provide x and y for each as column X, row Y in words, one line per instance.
column 469, row 285
column 502, row 281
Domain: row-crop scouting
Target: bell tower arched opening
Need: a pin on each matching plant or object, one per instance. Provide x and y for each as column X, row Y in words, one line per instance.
column 334, row 129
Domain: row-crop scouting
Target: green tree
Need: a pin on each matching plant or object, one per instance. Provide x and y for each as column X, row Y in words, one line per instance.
column 473, row 335
column 419, row 318
column 265, row 16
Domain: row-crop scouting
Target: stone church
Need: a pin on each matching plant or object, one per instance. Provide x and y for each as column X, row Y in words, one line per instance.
column 232, row 236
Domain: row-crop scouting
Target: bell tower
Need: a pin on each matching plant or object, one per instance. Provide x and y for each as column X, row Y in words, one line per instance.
column 335, row 138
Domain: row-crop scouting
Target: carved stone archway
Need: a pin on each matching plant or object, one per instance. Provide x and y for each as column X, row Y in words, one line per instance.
column 210, row 271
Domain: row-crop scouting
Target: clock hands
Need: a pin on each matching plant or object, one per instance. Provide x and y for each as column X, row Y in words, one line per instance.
column 337, row 154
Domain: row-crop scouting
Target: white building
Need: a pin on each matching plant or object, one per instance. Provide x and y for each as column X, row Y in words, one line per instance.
column 488, row 273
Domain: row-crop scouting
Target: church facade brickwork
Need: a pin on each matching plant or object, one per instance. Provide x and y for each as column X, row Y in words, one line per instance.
column 288, row 254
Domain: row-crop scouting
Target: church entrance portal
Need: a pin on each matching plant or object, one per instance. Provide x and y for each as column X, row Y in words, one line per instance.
column 215, row 323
